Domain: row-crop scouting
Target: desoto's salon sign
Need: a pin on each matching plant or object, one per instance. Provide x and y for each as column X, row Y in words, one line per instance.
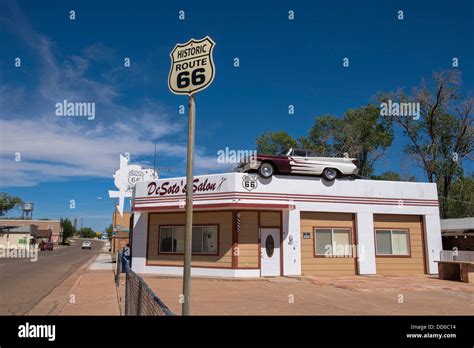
column 179, row 187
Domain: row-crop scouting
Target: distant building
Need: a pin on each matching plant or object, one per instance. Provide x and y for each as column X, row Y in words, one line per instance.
column 120, row 230
column 458, row 233
column 13, row 237
column 121, row 223
column 53, row 225
column 43, row 236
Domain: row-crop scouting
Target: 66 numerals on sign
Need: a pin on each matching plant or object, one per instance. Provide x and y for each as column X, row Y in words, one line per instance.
column 250, row 185
column 184, row 80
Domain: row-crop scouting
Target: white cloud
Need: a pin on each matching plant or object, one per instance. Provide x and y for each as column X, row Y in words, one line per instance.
column 55, row 148
column 60, row 149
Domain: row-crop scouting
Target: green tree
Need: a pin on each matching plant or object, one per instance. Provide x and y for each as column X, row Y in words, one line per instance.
column 390, row 176
column 461, row 198
column 442, row 137
column 362, row 134
column 109, row 231
column 322, row 135
column 87, row 232
column 273, row 143
column 68, row 229
column 8, row 202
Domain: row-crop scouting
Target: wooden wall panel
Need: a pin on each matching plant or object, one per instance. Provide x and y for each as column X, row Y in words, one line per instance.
column 248, row 239
column 270, row 219
column 402, row 265
column 325, row 266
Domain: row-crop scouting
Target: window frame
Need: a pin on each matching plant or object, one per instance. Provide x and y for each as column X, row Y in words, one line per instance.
column 216, row 253
column 391, row 229
column 351, row 256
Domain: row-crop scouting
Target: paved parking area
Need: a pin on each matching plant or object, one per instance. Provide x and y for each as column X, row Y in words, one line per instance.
column 356, row 295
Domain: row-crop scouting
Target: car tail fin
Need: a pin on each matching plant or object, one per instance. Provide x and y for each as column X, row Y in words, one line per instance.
column 355, row 162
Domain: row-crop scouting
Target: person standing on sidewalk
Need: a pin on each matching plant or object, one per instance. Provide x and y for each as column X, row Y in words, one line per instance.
column 125, row 257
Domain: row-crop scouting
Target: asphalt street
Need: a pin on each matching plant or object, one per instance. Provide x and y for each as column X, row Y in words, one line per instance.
column 24, row 283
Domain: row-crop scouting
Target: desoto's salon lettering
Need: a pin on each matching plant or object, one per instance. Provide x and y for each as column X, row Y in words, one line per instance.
column 168, row 188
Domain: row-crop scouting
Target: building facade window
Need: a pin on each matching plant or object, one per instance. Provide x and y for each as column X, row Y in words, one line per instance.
column 332, row 242
column 204, row 239
column 392, row 242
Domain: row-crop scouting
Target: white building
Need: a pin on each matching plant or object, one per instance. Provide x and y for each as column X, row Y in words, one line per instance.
column 246, row 226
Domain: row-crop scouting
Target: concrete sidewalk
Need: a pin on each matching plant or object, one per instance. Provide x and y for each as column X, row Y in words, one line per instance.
column 103, row 262
column 95, row 292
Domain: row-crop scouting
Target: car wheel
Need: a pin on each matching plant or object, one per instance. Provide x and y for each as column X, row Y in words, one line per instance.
column 266, row 170
column 329, row 174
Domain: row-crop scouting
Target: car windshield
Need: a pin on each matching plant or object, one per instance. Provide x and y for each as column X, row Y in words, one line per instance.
column 301, row 153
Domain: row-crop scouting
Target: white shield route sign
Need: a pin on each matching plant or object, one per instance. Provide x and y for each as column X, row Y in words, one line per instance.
column 192, row 67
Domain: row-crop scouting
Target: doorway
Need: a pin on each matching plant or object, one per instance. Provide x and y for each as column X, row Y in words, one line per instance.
column 270, row 252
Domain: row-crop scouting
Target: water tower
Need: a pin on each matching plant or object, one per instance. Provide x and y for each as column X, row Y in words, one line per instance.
column 27, row 208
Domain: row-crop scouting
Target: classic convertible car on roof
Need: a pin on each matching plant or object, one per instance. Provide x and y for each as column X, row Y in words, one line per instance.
column 301, row 161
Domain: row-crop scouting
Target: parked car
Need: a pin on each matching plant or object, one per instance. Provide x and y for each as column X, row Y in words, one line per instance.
column 87, row 244
column 46, row 246
column 301, row 161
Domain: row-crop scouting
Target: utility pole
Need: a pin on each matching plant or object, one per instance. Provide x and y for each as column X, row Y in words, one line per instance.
column 75, row 226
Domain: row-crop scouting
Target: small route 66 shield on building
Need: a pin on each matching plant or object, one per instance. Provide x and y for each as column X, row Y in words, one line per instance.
column 192, row 67
column 249, row 182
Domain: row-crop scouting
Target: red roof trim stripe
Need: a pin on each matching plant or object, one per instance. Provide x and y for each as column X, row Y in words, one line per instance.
column 271, row 195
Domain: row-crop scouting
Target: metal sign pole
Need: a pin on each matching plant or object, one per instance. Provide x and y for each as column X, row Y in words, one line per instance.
column 192, row 70
column 189, row 207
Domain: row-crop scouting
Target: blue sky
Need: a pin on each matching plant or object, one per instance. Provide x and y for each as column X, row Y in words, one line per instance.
column 282, row 62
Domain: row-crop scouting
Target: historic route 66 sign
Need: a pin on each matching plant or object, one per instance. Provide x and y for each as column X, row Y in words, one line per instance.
column 192, row 67
column 249, row 182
